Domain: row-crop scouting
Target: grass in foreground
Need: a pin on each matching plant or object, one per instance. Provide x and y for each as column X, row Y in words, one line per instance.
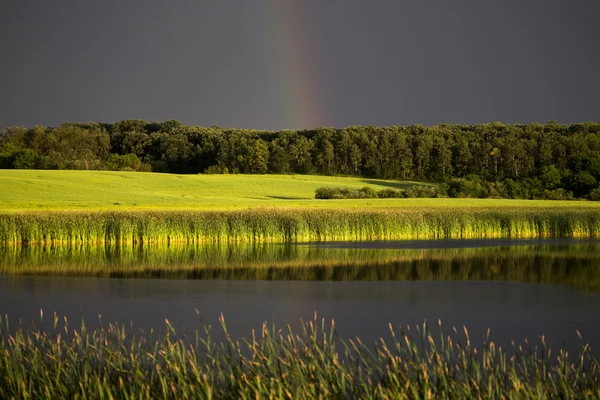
column 311, row 363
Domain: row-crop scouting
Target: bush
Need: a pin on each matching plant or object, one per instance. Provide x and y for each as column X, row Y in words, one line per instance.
column 216, row 169
column 326, row 193
column 496, row 190
column 559, row 194
column 594, row 195
column 159, row 166
column 464, row 187
column 126, row 162
column 369, row 192
column 423, row 192
column 345, row 193
column 390, row 194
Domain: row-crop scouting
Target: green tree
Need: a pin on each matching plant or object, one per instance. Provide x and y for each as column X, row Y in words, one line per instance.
column 258, row 162
column 301, row 155
column 551, row 177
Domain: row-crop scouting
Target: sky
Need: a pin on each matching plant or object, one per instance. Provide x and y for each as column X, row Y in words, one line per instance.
column 299, row 64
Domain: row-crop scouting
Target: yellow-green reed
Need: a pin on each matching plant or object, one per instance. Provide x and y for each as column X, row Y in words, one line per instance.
column 309, row 363
column 294, row 225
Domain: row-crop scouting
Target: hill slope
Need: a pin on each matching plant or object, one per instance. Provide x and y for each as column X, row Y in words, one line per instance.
column 43, row 189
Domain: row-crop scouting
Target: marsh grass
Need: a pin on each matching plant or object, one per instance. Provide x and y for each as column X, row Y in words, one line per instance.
column 294, row 225
column 310, row 362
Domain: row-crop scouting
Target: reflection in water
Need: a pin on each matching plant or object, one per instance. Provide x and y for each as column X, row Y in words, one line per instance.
column 360, row 309
column 574, row 263
column 235, row 281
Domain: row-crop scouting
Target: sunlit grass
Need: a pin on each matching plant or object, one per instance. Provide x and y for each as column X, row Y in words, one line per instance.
column 308, row 363
column 91, row 190
column 104, row 190
column 293, row 225
column 130, row 207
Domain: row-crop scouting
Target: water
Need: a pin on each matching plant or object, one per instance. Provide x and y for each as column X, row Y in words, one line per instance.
column 518, row 289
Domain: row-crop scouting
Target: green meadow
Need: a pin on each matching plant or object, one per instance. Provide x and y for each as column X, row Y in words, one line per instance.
column 129, row 207
column 104, row 190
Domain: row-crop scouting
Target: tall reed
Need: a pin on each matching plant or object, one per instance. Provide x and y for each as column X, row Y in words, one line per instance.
column 293, row 225
column 313, row 362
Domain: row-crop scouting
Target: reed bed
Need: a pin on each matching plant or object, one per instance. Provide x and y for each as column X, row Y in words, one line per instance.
column 294, row 225
column 311, row 362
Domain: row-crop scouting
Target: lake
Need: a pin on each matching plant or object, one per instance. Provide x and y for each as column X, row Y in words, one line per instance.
column 520, row 289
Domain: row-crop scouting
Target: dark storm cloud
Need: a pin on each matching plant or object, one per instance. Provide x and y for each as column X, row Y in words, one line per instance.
column 377, row 62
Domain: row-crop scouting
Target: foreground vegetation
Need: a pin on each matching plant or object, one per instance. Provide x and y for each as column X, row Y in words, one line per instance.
column 310, row 363
column 532, row 161
column 294, row 225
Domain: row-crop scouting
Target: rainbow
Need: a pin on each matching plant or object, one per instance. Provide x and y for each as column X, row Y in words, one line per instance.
column 291, row 50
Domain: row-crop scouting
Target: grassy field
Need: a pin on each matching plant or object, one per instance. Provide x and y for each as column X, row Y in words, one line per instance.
column 129, row 207
column 103, row 190
column 34, row 190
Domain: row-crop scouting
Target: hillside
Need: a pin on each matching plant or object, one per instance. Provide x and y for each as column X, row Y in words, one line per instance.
column 40, row 189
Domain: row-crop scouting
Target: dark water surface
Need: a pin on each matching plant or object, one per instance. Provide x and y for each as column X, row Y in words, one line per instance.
column 520, row 290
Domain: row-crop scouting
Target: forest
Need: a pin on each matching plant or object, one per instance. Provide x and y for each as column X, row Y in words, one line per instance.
column 492, row 160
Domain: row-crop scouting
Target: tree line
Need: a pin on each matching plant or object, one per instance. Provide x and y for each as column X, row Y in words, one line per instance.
column 533, row 160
